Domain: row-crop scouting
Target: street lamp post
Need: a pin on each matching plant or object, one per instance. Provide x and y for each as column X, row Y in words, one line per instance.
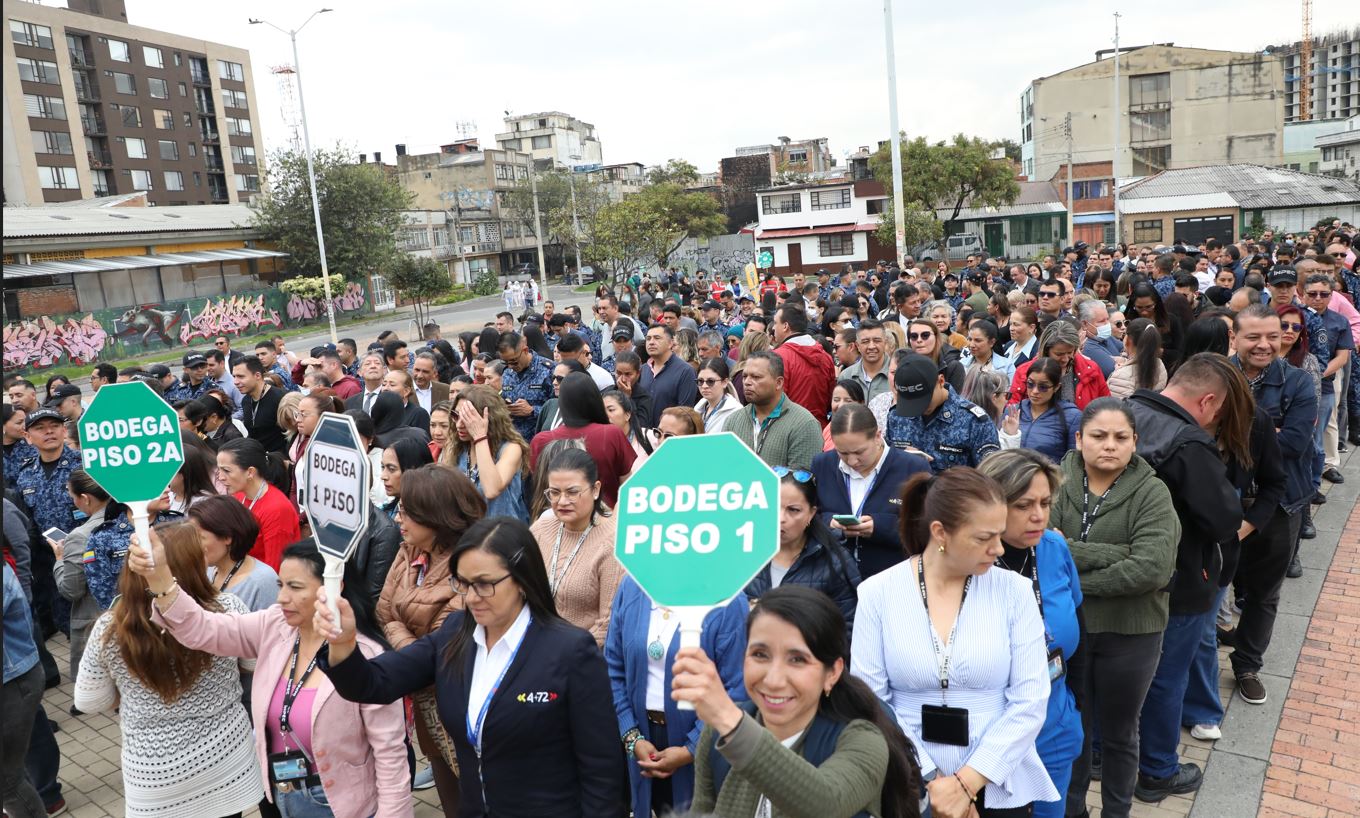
column 311, row 169
column 895, row 137
column 575, row 222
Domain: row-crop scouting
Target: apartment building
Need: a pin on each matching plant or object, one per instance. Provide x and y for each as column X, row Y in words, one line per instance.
column 1334, row 76
column 793, row 156
column 828, row 225
column 553, row 138
column 95, row 106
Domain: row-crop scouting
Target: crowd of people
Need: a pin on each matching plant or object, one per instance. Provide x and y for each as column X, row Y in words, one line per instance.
column 1020, row 506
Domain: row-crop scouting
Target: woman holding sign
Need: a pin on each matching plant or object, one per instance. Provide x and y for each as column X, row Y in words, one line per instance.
column 522, row 693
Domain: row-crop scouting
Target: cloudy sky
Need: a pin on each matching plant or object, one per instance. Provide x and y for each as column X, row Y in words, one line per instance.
column 694, row 78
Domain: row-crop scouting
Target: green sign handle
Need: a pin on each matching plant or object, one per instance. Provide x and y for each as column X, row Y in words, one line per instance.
column 141, row 525
column 691, row 628
column 335, row 569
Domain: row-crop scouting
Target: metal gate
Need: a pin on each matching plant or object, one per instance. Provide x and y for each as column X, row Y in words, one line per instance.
column 383, row 297
column 1196, row 230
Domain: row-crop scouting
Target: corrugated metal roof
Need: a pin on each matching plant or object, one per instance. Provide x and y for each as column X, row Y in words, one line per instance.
column 1249, row 186
column 974, row 213
column 95, row 265
column 24, row 222
column 1189, row 201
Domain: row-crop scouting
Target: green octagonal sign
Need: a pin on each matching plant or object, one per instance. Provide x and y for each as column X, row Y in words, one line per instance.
column 698, row 520
column 765, row 259
column 130, row 442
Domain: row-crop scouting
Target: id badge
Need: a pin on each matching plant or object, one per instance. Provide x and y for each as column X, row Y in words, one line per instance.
column 944, row 725
column 288, row 767
column 1057, row 668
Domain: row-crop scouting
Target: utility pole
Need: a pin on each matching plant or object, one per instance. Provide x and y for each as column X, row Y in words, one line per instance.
column 1067, row 130
column 1118, row 115
column 899, row 218
column 538, row 231
column 575, row 221
column 457, row 211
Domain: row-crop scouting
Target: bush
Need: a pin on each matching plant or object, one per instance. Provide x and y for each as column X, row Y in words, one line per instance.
column 487, row 282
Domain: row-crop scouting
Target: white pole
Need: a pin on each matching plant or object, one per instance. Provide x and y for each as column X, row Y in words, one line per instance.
column 538, row 230
column 311, row 179
column 1067, row 127
column 1114, row 162
column 575, row 227
column 899, row 218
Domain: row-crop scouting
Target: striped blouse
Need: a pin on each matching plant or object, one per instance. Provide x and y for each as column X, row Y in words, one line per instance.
column 998, row 672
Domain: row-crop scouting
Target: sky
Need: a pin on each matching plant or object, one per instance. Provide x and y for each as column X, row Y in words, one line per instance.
column 692, row 79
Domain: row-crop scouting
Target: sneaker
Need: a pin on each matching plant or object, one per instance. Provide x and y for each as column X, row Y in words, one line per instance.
column 1154, row 790
column 1206, row 732
column 1295, row 569
column 58, row 808
column 1251, row 690
column 1318, row 498
column 424, row 779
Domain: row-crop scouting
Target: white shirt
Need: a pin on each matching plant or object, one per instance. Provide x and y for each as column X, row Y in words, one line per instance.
column 602, row 377
column 661, row 628
column 369, row 398
column 858, row 487
column 425, row 397
column 488, row 666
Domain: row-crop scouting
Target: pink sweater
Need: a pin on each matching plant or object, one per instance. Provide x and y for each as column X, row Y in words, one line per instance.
column 360, row 749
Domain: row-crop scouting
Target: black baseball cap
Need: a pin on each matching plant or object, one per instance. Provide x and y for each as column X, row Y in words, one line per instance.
column 160, row 370
column 40, row 414
column 1283, row 275
column 61, row 393
column 712, row 305
column 1079, row 246
column 622, row 334
column 193, row 359
column 914, row 384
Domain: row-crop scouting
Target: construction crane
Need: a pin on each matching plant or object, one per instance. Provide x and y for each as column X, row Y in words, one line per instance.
column 1306, row 65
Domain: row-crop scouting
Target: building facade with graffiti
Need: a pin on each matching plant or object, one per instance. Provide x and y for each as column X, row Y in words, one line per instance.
column 101, row 280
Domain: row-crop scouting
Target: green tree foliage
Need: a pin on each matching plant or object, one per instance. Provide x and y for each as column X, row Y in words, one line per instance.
column 361, row 211
column 555, row 207
column 420, row 279
column 312, row 287
column 675, row 171
column 942, row 176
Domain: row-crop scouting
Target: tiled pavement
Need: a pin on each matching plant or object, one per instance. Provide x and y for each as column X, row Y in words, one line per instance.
column 1297, row 755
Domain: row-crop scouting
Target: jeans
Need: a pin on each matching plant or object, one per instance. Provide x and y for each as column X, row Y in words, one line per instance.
column 1201, row 704
column 1344, row 405
column 44, row 758
column 1160, row 723
column 18, row 706
column 1260, row 575
column 1326, row 409
column 309, row 802
column 1121, row 668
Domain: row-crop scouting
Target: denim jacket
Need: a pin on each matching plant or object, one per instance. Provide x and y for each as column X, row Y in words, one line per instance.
column 21, row 654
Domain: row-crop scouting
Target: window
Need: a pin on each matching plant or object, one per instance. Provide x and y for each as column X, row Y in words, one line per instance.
column 243, row 154
column 158, row 88
column 132, row 115
column 1093, row 189
column 198, row 179
column 44, row 107
column 876, row 207
column 38, row 71
column 193, row 149
column 511, row 144
column 841, row 244
column 830, row 199
column 118, row 50
column 174, row 180
column 504, row 172
column 169, row 150
column 30, row 34
column 189, row 120
column 164, row 120
column 238, row 127
column 52, row 142
column 790, row 203
column 233, row 99
column 183, row 89
column 141, row 180
column 124, row 83
column 798, row 157
column 58, row 178
column 136, row 148
column 1150, row 91
column 179, row 59
column 1147, row 231
column 1149, row 126
column 247, row 182
column 521, row 172
column 230, row 71
column 1031, row 230
column 1147, row 161
column 541, row 142
column 152, row 57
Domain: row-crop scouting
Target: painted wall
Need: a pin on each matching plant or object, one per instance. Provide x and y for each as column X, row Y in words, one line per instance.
column 83, row 339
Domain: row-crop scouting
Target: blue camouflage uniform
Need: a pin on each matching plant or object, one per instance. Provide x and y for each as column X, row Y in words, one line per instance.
column 1079, row 271
column 14, row 458
column 717, row 326
column 183, row 390
column 49, row 505
column 1165, row 286
column 286, row 377
column 594, row 340
column 1317, row 336
column 958, row 434
column 105, row 551
column 534, row 385
column 955, row 301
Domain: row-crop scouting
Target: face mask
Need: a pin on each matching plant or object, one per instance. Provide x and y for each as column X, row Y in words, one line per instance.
column 1104, row 331
column 305, row 391
column 77, row 514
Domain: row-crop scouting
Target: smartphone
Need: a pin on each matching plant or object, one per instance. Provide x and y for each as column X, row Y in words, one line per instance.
column 55, row 534
column 845, row 519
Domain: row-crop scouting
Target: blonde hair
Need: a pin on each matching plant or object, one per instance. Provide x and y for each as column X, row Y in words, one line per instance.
column 287, row 414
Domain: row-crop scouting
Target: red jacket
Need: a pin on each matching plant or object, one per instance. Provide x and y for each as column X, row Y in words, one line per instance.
column 809, row 376
column 1090, row 381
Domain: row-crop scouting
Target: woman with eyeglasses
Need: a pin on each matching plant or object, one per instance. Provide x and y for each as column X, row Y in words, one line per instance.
column 1294, row 343
column 718, row 399
column 1081, row 381
column 585, row 418
column 438, row 505
column 398, row 459
column 924, row 339
column 659, row 740
column 490, row 451
column 1042, row 421
column 522, row 693
column 307, row 416
column 1141, row 366
column 577, row 543
column 1040, row 556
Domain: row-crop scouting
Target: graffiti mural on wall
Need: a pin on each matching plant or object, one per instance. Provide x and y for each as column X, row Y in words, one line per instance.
column 84, row 339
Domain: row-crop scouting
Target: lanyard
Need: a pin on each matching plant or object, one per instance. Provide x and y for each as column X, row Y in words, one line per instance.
column 474, row 729
column 942, row 657
column 873, row 478
column 1088, row 514
column 555, row 581
column 232, row 573
column 290, row 692
column 763, row 427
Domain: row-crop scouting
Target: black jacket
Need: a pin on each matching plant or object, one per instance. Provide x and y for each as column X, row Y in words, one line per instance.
column 823, row 566
column 1186, row 459
column 1262, row 485
column 551, row 741
column 375, row 553
column 883, row 549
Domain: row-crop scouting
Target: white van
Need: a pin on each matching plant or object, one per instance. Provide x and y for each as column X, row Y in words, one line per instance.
column 959, row 247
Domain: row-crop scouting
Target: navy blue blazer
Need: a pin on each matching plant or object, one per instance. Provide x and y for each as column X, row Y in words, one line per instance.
column 882, row 549
column 548, row 746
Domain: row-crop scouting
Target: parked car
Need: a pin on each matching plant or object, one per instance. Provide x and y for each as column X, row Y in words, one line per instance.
column 958, row 247
column 526, row 269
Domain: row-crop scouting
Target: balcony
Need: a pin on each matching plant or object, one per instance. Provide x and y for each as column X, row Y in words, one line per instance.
column 205, row 107
column 209, row 137
column 214, row 163
column 200, row 77
column 86, row 91
column 99, row 160
column 218, row 195
column 93, row 125
column 81, row 58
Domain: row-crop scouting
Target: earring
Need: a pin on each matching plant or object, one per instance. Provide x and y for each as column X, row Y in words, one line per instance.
column 941, row 549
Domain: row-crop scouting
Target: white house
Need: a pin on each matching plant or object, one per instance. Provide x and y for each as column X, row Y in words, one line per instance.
column 824, row 225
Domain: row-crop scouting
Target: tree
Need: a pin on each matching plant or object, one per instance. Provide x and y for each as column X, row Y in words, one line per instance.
column 420, row 279
column 361, row 211
column 942, row 176
column 555, row 206
column 622, row 237
column 676, row 171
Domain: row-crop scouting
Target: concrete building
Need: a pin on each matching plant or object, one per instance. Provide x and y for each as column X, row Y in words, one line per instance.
column 1301, row 150
column 811, row 226
column 1340, row 152
column 94, row 106
column 1192, row 204
column 790, row 156
column 1335, row 75
column 618, row 181
column 552, row 138
column 1036, row 223
column 1178, row 107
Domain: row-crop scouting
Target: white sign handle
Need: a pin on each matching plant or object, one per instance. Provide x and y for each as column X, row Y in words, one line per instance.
column 335, row 569
column 691, row 628
column 141, row 524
